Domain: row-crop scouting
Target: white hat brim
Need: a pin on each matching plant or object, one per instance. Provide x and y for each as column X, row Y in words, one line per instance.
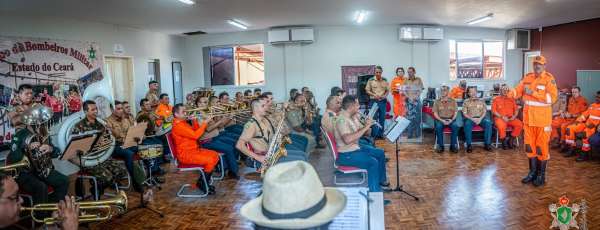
column 336, row 202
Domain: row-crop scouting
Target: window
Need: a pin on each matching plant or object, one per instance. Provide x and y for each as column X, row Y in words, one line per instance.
column 238, row 65
column 476, row 60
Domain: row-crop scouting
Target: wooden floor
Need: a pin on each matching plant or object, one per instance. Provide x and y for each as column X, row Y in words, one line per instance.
column 480, row 190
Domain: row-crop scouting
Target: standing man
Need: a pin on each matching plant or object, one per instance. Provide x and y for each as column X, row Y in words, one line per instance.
column 538, row 91
column 152, row 94
column 505, row 111
column 445, row 111
column 377, row 89
column 458, row 92
column 474, row 111
column 399, row 98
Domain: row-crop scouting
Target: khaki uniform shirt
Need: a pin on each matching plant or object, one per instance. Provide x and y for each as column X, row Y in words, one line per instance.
column 413, row 87
column 118, row 127
column 152, row 97
column 328, row 120
column 376, row 87
column 445, row 107
column 258, row 133
column 295, row 117
column 474, row 107
column 344, row 124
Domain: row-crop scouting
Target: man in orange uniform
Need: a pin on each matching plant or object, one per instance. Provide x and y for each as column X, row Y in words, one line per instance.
column 575, row 106
column 505, row 113
column 578, row 134
column 188, row 151
column 397, row 82
column 538, row 91
column 163, row 110
column 458, row 91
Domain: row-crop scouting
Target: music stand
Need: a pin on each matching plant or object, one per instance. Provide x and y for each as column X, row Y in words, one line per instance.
column 79, row 144
column 393, row 135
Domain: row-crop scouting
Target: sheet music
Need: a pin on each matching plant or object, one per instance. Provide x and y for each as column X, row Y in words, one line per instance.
column 397, row 128
column 355, row 215
column 373, row 110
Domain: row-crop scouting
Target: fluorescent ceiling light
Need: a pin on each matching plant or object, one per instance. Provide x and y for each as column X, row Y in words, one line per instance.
column 360, row 17
column 189, row 2
column 480, row 19
column 237, row 23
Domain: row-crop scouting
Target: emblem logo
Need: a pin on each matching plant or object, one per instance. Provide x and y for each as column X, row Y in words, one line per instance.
column 565, row 216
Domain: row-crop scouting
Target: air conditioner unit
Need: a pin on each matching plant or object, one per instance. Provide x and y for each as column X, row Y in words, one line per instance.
column 421, row 33
column 291, row 35
column 518, row 39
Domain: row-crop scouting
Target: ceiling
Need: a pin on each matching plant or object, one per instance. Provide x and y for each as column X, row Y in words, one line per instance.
column 174, row 17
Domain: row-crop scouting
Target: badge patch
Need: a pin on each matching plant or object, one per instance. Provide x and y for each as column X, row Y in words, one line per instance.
column 565, row 216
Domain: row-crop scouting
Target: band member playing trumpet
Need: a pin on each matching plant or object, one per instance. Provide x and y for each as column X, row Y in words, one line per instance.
column 186, row 138
column 23, row 102
column 33, row 141
column 109, row 171
column 257, row 134
column 10, row 206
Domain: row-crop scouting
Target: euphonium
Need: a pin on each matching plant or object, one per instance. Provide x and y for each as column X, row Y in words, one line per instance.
column 106, row 209
column 14, row 168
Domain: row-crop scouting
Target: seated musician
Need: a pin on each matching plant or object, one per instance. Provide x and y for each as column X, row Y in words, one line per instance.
column 257, row 92
column 127, row 110
column 108, row 172
column 146, row 114
column 213, row 139
column 247, row 93
column 312, row 116
column 293, row 93
column 42, row 175
column 24, row 101
column 334, row 105
column 10, row 206
column 186, row 138
column 239, row 97
column 295, row 118
column 298, row 142
column 257, row 134
column 163, row 110
column 348, row 130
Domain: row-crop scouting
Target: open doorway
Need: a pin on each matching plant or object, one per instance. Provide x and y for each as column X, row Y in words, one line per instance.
column 120, row 70
column 177, row 82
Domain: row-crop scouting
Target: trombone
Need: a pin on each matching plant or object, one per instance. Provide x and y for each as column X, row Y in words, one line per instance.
column 106, row 209
column 13, row 169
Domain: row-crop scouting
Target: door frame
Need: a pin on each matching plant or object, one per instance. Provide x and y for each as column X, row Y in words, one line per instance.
column 181, row 80
column 130, row 59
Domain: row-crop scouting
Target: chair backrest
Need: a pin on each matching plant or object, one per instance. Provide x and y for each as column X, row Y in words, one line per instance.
column 172, row 147
column 331, row 144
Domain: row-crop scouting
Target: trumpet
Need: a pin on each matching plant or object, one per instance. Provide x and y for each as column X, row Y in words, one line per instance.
column 13, row 168
column 363, row 120
column 106, row 210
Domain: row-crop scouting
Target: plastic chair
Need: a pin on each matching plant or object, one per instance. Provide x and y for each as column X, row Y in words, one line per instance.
column 345, row 170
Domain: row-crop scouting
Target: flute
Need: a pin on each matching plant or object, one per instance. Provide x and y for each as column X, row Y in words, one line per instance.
column 363, row 120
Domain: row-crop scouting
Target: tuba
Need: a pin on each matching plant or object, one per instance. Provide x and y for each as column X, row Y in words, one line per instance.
column 40, row 161
column 101, row 93
column 276, row 148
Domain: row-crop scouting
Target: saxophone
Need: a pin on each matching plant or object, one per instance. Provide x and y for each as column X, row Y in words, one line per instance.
column 276, row 148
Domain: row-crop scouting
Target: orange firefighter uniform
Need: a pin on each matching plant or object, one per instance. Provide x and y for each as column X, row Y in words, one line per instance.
column 575, row 107
column 506, row 106
column 399, row 98
column 586, row 123
column 457, row 92
column 188, row 151
column 163, row 111
column 538, row 94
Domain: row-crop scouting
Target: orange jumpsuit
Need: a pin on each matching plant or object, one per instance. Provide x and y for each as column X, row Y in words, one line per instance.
column 163, row 111
column 586, row 123
column 575, row 107
column 457, row 92
column 186, row 141
column 506, row 106
column 399, row 108
column 537, row 112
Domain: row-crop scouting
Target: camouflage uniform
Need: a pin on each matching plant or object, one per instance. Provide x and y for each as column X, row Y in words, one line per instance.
column 109, row 171
column 295, row 118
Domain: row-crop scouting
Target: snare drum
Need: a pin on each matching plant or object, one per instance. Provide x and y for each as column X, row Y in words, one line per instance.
column 148, row 152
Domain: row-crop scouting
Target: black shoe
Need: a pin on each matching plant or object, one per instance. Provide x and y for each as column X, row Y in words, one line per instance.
column 232, row 175
column 469, row 149
column 570, row 152
column 565, row 148
column 540, row 179
column 211, row 190
column 385, row 184
column 453, row 149
column 511, row 142
column 582, row 156
column 201, row 185
column 487, row 147
column 387, row 159
column 532, row 171
column 439, row 150
column 504, row 144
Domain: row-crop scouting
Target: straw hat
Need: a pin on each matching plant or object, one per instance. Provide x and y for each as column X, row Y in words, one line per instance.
column 293, row 197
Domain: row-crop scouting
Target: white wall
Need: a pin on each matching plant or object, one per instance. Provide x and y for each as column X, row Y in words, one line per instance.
column 318, row 65
column 141, row 45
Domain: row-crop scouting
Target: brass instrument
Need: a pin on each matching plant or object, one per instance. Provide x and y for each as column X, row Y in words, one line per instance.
column 14, row 168
column 40, row 161
column 106, row 210
column 276, row 148
column 363, row 119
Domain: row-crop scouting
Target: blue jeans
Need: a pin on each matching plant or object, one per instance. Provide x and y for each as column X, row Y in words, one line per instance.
column 235, row 128
column 127, row 155
column 379, row 117
column 371, row 159
column 316, row 128
column 229, row 157
column 486, row 124
column 298, row 142
column 439, row 133
column 365, row 141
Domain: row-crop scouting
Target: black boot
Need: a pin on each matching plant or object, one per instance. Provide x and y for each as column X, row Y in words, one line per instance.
column 570, row 152
column 541, row 177
column 211, row 188
column 509, row 142
column 504, row 144
column 469, row 149
column 201, row 183
column 532, row 171
column 439, row 149
column 487, row 147
column 582, row 156
column 565, row 148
